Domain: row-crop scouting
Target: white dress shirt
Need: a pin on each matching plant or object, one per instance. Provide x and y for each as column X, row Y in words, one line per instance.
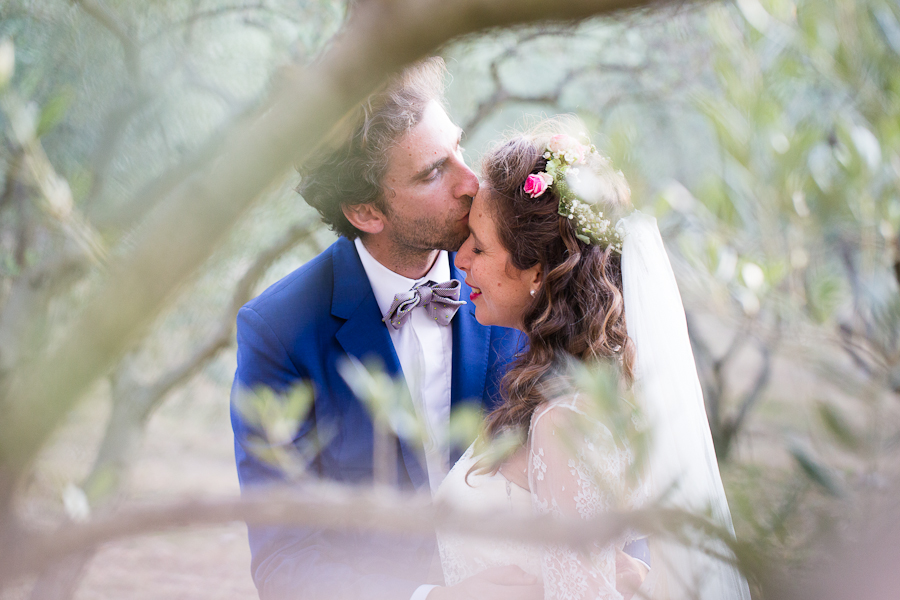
column 427, row 373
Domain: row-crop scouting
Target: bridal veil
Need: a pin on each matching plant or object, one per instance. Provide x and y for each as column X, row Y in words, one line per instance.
column 682, row 467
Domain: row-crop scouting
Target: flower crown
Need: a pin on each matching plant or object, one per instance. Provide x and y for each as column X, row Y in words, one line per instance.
column 590, row 226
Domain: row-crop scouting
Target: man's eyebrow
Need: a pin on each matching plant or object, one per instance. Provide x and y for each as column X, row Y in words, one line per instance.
column 439, row 162
column 424, row 172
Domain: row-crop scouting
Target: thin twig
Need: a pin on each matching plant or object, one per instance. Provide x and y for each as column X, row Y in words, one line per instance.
column 213, row 13
column 223, row 335
column 103, row 15
column 752, row 396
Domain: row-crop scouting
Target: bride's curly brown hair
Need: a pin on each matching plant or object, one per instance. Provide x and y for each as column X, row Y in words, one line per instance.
column 578, row 311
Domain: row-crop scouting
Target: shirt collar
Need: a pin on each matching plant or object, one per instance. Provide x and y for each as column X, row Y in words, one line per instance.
column 386, row 284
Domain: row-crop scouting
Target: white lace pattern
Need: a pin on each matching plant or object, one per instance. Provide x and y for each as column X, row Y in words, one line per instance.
column 574, row 471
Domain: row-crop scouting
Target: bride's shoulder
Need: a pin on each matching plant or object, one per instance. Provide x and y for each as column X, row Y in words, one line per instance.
column 570, row 414
column 556, row 408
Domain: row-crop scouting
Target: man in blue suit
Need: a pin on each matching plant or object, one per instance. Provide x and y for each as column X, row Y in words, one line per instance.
column 398, row 193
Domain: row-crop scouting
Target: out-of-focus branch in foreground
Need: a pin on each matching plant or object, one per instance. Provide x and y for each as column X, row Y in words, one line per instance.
column 180, row 234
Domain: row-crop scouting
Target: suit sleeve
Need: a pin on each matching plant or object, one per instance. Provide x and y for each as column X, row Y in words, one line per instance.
column 303, row 562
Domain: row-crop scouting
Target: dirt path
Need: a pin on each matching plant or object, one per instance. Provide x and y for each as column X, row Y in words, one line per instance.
column 213, row 564
column 187, row 452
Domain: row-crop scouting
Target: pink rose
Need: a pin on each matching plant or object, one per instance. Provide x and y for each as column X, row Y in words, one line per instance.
column 535, row 185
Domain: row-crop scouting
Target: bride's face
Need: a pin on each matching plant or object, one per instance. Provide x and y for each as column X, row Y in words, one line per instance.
column 500, row 292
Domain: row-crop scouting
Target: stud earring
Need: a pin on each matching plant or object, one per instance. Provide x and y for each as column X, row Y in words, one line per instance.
column 532, row 293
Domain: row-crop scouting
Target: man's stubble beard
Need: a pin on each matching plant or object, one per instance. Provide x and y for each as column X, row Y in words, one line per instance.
column 427, row 243
column 423, row 236
column 417, row 240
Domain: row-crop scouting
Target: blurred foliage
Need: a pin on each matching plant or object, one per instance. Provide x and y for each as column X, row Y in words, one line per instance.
column 397, row 417
column 798, row 222
column 616, row 408
column 387, row 399
column 102, row 105
column 276, row 418
column 102, row 98
column 763, row 134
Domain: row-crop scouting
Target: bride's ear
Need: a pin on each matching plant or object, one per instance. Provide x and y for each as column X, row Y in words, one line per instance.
column 364, row 217
column 537, row 276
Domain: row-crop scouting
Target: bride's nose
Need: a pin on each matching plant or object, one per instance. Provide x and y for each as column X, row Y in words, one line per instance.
column 464, row 257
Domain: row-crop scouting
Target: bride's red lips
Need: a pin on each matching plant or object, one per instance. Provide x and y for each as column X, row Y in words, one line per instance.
column 475, row 292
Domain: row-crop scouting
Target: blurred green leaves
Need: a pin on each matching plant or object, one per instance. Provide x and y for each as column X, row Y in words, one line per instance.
column 838, row 427
column 54, row 110
column 387, row 399
column 613, row 405
column 276, row 418
column 815, row 471
column 392, row 409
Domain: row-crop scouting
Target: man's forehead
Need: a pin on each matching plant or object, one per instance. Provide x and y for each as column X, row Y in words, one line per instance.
column 434, row 137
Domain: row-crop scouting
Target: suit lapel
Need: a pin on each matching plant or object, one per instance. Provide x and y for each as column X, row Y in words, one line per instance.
column 364, row 336
column 471, row 348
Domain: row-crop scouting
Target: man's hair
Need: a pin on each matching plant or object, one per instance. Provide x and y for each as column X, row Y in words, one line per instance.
column 353, row 172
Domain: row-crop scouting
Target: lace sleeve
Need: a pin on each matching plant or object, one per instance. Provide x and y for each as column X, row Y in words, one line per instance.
column 576, row 470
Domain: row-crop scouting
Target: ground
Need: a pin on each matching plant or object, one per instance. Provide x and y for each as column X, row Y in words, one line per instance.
column 187, row 452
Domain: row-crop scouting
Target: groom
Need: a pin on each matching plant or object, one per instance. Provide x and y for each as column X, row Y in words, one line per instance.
column 398, row 193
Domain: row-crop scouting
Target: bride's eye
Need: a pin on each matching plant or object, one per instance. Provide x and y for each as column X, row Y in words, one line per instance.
column 476, row 250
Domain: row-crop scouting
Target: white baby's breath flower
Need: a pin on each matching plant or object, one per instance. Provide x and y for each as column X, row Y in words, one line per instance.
column 753, row 276
column 577, row 199
column 75, row 503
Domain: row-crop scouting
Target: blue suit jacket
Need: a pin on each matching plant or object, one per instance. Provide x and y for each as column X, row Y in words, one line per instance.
column 298, row 330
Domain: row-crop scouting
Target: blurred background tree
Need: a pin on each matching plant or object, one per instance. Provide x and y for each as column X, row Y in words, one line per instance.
column 763, row 134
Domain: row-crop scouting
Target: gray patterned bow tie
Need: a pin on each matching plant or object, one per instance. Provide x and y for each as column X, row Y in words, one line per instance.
column 440, row 299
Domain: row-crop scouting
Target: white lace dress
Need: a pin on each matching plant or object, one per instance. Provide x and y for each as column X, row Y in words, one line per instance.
column 575, row 469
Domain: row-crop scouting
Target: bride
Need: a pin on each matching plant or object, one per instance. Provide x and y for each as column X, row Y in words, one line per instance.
column 546, row 256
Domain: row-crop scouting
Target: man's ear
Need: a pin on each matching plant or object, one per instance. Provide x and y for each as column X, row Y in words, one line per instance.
column 364, row 217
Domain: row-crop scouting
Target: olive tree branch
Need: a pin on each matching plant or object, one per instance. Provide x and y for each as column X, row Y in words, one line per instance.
column 327, row 505
column 304, row 105
column 123, row 32
column 134, row 402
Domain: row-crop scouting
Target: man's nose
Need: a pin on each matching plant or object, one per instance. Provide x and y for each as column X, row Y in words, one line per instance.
column 468, row 183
